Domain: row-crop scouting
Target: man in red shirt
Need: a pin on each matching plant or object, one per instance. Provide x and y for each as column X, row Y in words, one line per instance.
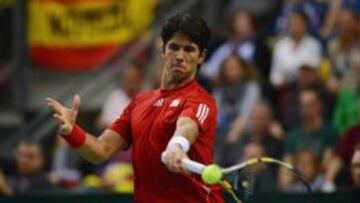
column 163, row 126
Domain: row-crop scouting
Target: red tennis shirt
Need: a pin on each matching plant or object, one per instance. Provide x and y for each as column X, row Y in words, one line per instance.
column 148, row 123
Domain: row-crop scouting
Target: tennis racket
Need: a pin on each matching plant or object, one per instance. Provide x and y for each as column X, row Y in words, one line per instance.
column 245, row 180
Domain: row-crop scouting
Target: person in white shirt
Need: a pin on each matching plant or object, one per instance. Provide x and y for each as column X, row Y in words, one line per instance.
column 294, row 50
column 132, row 79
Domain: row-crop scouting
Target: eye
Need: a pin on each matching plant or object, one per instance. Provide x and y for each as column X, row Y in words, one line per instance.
column 174, row 47
column 189, row 48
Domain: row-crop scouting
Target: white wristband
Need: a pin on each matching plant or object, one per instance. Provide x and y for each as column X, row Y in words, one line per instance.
column 182, row 141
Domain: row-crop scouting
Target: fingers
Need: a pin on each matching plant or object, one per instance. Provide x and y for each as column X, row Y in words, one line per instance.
column 76, row 102
column 59, row 119
column 54, row 105
column 172, row 159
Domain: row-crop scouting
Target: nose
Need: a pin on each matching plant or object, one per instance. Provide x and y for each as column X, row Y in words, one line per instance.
column 180, row 55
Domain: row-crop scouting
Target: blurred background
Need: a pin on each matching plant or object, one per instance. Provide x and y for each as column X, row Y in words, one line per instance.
column 286, row 74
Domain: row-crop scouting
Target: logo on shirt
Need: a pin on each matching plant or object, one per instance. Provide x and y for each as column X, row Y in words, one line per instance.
column 202, row 112
column 159, row 102
column 175, row 103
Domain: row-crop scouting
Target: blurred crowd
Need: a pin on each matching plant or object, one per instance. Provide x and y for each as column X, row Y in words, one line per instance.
column 287, row 86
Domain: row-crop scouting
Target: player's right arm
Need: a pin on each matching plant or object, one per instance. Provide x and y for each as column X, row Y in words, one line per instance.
column 93, row 149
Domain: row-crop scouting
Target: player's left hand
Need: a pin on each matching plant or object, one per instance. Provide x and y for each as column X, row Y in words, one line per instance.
column 172, row 158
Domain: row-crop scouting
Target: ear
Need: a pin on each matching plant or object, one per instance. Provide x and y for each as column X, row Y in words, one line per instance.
column 202, row 56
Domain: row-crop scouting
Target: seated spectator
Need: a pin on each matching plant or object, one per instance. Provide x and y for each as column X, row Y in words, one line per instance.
column 345, row 44
column 65, row 165
column 309, row 166
column 259, row 178
column 347, row 109
column 307, row 77
column 259, row 130
column 235, row 95
column 294, row 50
column 245, row 43
column 341, row 161
column 131, row 83
column 347, row 144
column 313, row 133
column 31, row 178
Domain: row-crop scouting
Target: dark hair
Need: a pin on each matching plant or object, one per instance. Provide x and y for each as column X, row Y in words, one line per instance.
column 302, row 14
column 31, row 142
column 187, row 24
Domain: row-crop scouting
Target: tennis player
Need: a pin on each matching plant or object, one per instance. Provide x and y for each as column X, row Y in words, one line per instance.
column 163, row 126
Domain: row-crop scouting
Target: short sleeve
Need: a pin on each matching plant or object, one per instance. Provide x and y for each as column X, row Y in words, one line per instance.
column 122, row 125
column 202, row 111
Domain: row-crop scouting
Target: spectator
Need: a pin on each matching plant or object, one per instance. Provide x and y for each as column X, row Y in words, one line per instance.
column 131, row 83
column 245, row 43
column 340, row 49
column 347, row 109
column 313, row 133
column 260, row 178
column 291, row 52
column 344, row 152
column 31, row 177
column 309, row 166
column 65, row 166
column 307, row 77
column 260, row 130
column 346, row 146
column 237, row 92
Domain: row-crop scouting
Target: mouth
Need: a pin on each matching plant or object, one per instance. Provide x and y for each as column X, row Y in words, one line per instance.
column 178, row 68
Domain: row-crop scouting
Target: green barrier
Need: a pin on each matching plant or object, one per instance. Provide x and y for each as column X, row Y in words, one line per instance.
column 270, row 198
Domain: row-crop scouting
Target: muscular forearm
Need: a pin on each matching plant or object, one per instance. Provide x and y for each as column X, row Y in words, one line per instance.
column 99, row 149
column 187, row 128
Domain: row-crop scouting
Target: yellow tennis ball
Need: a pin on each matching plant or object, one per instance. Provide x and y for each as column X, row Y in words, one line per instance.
column 211, row 174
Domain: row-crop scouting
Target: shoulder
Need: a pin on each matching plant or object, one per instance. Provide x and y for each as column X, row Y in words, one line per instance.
column 144, row 95
column 200, row 94
column 284, row 41
column 310, row 40
column 329, row 130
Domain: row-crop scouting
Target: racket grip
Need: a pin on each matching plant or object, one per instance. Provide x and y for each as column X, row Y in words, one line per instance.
column 193, row 166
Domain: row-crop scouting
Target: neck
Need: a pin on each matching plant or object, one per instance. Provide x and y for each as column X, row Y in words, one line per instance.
column 297, row 38
column 313, row 124
column 168, row 83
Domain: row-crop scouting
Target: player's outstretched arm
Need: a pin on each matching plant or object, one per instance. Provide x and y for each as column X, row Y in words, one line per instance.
column 93, row 149
column 185, row 134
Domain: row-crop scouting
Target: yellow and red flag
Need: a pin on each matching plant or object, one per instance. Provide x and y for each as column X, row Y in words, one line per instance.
column 78, row 34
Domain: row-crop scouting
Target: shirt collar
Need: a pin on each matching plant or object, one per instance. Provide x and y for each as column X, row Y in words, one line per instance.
column 183, row 88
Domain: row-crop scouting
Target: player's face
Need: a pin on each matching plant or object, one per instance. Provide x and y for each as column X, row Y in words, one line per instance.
column 181, row 58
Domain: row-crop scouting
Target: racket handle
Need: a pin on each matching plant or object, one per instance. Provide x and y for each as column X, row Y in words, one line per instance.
column 193, row 166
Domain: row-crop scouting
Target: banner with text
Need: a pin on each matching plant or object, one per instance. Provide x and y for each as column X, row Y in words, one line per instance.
column 77, row 34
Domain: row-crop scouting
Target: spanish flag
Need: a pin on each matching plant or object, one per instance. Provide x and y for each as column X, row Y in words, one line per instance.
column 78, row 34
